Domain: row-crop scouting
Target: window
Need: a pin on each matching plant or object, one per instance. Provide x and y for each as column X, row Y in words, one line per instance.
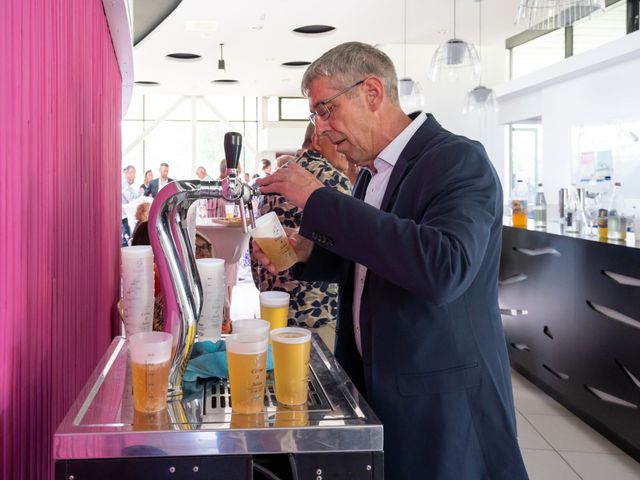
column 525, row 153
column 294, row 109
column 600, row 28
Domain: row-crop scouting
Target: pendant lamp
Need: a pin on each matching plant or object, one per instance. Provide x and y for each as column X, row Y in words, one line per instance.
column 481, row 97
column 455, row 58
column 552, row 14
column 409, row 91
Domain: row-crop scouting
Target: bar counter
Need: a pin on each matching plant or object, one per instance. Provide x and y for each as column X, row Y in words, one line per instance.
column 102, row 437
column 571, row 313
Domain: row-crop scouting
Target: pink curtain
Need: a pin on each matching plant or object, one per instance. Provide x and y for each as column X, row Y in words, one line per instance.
column 60, row 108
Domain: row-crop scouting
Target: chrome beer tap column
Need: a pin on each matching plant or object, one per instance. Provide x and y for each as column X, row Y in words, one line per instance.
column 171, row 243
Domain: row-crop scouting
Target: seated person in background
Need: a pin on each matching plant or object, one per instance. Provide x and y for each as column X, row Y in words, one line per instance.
column 313, row 304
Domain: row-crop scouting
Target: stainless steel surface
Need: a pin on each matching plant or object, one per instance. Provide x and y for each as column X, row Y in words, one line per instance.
column 103, row 424
column 174, row 257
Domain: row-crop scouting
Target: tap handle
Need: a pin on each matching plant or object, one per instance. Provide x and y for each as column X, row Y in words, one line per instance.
column 232, row 147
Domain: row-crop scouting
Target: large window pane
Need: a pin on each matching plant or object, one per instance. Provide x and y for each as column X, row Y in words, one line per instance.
column 210, row 146
column 131, row 130
column 526, row 150
column 538, row 53
column 134, row 112
column 170, row 142
column 251, row 108
column 157, row 105
column 600, row 28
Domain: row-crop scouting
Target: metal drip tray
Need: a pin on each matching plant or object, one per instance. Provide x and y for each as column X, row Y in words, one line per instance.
column 217, row 397
column 103, row 424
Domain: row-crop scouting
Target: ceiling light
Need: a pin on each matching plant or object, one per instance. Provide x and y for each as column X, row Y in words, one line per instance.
column 314, row 29
column 225, row 81
column 221, row 64
column 146, row 83
column 454, row 57
column 480, row 98
column 183, row 57
column 552, row 14
column 295, row 64
column 409, row 91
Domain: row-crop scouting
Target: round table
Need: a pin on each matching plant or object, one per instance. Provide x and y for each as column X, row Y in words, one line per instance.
column 228, row 240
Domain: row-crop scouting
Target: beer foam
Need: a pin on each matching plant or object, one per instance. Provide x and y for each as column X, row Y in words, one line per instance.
column 247, row 343
column 274, row 299
column 150, row 347
column 292, row 335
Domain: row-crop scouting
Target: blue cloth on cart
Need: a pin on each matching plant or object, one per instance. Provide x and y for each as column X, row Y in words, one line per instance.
column 209, row 360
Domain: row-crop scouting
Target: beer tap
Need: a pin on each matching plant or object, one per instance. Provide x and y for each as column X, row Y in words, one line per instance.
column 174, row 253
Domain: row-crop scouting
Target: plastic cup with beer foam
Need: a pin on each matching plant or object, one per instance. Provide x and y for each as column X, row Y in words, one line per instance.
column 150, row 365
column 251, row 325
column 247, row 360
column 274, row 308
column 291, row 351
column 272, row 239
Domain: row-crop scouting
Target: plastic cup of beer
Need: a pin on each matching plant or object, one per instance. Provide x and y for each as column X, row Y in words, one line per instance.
column 150, row 365
column 229, row 210
column 247, row 360
column 274, row 308
column 291, row 351
column 272, row 239
column 251, row 325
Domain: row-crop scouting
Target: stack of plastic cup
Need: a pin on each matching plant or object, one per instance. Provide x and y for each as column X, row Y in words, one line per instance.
column 136, row 270
column 212, row 278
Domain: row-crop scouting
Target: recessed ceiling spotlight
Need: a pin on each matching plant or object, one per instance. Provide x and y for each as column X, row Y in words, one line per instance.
column 256, row 27
column 146, row 83
column 295, row 64
column 201, row 25
column 183, row 57
column 314, row 29
column 225, row 81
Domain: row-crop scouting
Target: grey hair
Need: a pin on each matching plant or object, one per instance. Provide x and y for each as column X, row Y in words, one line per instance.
column 127, row 168
column 351, row 62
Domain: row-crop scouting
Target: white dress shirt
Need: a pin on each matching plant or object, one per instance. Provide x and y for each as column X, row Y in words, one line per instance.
column 383, row 164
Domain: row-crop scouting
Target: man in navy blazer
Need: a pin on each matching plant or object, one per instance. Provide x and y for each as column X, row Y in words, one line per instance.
column 156, row 184
column 419, row 328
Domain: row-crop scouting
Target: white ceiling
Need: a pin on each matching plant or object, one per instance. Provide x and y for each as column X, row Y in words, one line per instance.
column 258, row 37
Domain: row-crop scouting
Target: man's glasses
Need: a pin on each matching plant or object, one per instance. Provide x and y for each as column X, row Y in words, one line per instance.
column 323, row 108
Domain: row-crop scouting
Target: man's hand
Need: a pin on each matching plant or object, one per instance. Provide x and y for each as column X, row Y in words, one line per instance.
column 292, row 182
column 301, row 246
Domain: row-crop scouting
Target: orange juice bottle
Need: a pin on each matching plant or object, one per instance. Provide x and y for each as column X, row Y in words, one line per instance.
column 519, row 207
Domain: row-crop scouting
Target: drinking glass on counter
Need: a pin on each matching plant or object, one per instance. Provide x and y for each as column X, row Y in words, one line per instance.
column 213, row 279
column 136, row 269
column 291, row 352
column 247, row 359
column 272, row 239
column 150, row 365
column 274, row 308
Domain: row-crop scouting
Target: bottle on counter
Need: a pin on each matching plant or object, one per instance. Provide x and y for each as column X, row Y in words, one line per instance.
column 604, row 202
column 540, row 209
column 572, row 212
column 617, row 222
column 519, row 200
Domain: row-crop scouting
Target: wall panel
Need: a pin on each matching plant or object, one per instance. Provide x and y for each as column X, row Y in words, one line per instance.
column 60, row 109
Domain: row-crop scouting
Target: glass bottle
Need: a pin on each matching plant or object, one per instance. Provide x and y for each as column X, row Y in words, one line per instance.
column 604, row 202
column 519, row 210
column 572, row 212
column 617, row 222
column 540, row 209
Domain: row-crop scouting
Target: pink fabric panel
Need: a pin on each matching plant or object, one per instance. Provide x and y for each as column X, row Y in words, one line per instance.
column 60, row 109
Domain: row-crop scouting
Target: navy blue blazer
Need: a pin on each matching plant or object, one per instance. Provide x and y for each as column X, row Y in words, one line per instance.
column 152, row 188
column 434, row 365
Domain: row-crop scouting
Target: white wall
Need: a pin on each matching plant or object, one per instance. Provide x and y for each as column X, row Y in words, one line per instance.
column 600, row 91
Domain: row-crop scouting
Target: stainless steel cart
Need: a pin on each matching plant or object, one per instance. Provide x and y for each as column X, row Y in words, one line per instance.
column 336, row 435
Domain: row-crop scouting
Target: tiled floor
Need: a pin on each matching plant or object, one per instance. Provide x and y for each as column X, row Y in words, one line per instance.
column 555, row 444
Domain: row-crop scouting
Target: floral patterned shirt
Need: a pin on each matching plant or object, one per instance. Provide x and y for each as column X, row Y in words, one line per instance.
column 312, row 303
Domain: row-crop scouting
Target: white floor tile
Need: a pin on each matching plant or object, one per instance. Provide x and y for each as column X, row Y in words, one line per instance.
column 598, row 466
column 529, row 399
column 547, row 465
column 528, row 437
column 571, row 434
